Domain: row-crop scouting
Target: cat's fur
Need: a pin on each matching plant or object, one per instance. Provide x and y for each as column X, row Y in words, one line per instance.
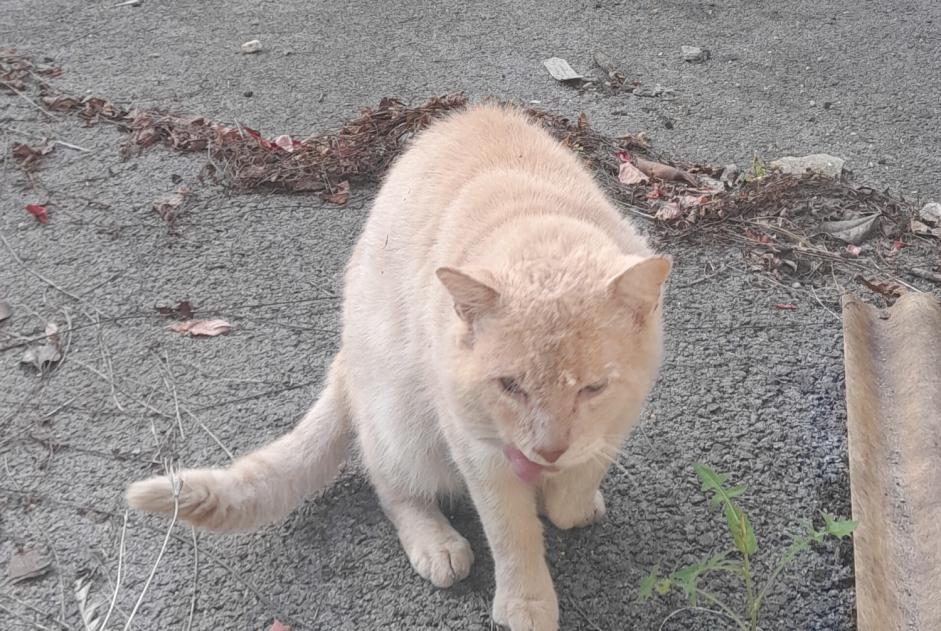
column 499, row 314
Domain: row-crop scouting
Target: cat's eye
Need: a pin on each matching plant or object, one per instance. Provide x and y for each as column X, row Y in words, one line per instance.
column 594, row 388
column 511, row 386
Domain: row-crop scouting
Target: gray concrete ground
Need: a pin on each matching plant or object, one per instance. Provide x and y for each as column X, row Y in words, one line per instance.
column 746, row 387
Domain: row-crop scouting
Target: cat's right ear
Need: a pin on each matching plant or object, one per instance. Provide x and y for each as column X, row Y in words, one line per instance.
column 472, row 297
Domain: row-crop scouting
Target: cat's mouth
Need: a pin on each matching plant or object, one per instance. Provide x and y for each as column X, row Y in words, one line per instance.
column 525, row 469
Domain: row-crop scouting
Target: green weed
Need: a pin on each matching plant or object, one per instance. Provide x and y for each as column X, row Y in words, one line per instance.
column 737, row 562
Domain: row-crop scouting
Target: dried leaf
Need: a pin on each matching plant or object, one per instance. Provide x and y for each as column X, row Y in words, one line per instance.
column 38, row 211
column 668, row 212
column 26, row 157
column 854, row 231
column 208, row 328
column 166, row 204
column 665, row 172
column 26, row 564
column 786, row 306
column 630, row 174
column 277, row 625
column 924, row 230
column 48, row 353
column 91, row 612
column 340, row 195
column 853, row 250
column 5, row 310
column 890, row 291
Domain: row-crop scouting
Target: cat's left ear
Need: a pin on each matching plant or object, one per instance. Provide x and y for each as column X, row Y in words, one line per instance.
column 639, row 286
column 473, row 296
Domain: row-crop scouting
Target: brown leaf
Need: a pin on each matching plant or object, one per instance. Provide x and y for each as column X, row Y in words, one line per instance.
column 208, row 328
column 26, row 157
column 664, row 172
column 340, row 195
column 890, row 291
column 277, row 625
column 25, row 565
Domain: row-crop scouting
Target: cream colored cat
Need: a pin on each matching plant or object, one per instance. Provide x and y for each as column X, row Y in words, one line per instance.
column 501, row 330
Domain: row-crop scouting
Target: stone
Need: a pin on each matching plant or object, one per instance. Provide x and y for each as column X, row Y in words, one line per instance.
column 251, row 47
column 820, row 163
column 694, row 54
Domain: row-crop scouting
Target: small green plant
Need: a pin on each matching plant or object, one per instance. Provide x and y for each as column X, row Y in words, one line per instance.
column 758, row 169
column 737, row 562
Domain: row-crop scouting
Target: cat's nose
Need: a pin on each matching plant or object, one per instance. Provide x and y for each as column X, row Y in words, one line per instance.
column 551, row 455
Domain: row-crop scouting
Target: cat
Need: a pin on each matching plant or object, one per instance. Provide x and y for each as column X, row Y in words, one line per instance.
column 502, row 329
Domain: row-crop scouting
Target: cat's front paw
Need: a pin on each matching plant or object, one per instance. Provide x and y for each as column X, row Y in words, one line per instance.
column 442, row 558
column 565, row 512
column 527, row 614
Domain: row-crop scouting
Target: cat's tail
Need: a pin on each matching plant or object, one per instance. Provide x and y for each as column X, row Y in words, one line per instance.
column 265, row 485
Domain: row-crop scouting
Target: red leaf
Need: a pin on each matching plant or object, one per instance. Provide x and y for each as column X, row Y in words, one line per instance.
column 38, row 211
column 786, row 306
column 898, row 245
column 277, row 625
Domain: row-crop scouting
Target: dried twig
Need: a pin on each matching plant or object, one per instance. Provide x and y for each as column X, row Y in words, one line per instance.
column 117, row 583
column 189, row 619
column 921, row 272
column 175, row 485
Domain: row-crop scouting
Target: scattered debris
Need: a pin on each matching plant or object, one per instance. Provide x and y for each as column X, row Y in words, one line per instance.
column 5, row 310
column 931, row 213
column 183, row 310
column 209, row 328
column 338, row 196
column 819, row 163
column 277, row 625
column 854, row 231
column 694, row 54
column 167, row 204
column 657, row 91
column 27, row 564
column 786, row 306
column 561, row 70
column 48, row 353
column 38, row 211
column 251, row 47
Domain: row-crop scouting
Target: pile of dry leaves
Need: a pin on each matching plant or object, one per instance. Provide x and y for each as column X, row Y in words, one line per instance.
column 790, row 224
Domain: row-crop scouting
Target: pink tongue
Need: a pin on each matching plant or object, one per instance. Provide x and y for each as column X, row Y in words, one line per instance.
column 524, row 468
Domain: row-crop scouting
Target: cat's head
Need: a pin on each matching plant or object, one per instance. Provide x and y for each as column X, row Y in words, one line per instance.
column 553, row 360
